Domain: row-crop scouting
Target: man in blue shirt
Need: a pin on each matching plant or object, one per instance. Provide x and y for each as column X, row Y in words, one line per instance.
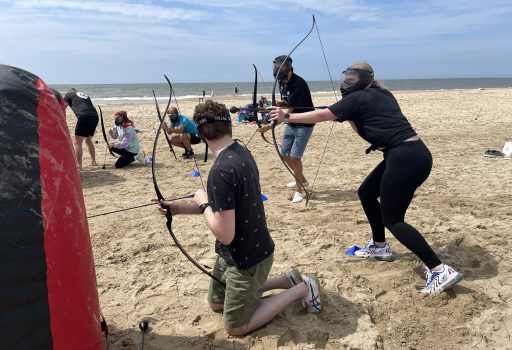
column 184, row 130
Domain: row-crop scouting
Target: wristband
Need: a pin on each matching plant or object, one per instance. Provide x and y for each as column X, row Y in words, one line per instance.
column 286, row 118
column 203, row 207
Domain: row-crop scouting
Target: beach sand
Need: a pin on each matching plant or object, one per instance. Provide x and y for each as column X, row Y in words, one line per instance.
column 464, row 210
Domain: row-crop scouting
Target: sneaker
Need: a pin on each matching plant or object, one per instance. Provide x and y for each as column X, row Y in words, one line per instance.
column 297, row 197
column 440, row 281
column 188, row 154
column 141, row 157
column 491, row 153
column 293, row 276
column 293, row 183
column 371, row 250
column 312, row 301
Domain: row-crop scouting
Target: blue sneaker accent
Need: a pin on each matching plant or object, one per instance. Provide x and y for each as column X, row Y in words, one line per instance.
column 312, row 301
column 437, row 282
column 371, row 250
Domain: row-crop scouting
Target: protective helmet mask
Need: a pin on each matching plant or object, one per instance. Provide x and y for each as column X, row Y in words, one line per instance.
column 354, row 79
column 282, row 65
column 283, row 73
column 118, row 121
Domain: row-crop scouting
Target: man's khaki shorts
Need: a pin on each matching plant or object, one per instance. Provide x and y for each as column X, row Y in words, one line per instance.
column 242, row 292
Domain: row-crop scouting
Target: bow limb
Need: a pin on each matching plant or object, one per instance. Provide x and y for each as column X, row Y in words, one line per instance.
column 179, row 112
column 168, row 214
column 274, row 103
column 255, row 104
column 161, row 119
column 104, row 133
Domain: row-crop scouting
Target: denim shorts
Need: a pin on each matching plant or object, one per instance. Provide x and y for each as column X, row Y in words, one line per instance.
column 295, row 140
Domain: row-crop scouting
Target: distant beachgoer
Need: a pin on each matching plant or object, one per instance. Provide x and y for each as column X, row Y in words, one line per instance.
column 184, row 130
column 234, row 211
column 263, row 102
column 236, row 90
column 204, row 93
column 375, row 115
column 87, row 120
column 211, row 95
column 128, row 148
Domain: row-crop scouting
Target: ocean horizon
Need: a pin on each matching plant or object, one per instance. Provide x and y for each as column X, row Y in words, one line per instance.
column 143, row 93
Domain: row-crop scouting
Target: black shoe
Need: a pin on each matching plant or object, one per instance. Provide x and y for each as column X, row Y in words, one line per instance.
column 491, row 153
column 188, row 154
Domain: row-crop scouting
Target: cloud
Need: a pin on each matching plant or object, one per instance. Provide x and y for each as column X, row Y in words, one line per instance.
column 123, row 9
column 220, row 39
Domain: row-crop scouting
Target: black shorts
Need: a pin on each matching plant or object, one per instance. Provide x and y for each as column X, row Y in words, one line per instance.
column 86, row 126
column 194, row 139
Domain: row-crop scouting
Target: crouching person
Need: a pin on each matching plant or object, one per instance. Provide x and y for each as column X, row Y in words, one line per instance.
column 234, row 212
column 128, row 148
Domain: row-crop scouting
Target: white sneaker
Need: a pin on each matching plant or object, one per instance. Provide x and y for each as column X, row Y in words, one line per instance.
column 297, row 197
column 440, row 281
column 293, row 276
column 371, row 250
column 293, row 183
column 312, row 301
column 141, row 157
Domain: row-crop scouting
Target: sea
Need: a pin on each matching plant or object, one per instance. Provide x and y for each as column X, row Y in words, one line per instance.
column 143, row 93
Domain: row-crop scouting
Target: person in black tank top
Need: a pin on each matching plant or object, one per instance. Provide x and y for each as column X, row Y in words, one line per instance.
column 375, row 115
column 234, row 211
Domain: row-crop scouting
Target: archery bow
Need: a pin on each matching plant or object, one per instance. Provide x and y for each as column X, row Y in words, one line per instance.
column 105, row 134
column 168, row 214
column 160, row 119
column 179, row 113
column 332, row 125
column 274, row 103
column 255, row 105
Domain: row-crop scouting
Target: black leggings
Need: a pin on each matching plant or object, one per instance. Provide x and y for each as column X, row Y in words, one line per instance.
column 404, row 168
column 125, row 159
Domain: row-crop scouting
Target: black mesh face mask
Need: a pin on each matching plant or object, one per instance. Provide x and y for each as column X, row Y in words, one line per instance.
column 354, row 79
column 283, row 74
column 118, row 121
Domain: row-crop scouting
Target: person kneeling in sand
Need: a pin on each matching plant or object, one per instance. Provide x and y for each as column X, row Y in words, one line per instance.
column 234, row 212
column 184, row 130
column 129, row 147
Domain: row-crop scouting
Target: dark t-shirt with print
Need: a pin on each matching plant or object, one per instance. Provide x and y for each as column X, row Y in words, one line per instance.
column 377, row 116
column 234, row 183
column 81, row 105
column 295, row 93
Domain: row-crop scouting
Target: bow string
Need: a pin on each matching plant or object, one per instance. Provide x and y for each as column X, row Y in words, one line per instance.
column 160, row 197
column 104, row 133
column 274, row 103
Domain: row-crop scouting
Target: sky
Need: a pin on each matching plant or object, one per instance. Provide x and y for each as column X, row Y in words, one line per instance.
column 101, row 42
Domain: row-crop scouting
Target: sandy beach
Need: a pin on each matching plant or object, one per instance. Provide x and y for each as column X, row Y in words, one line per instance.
column 464, row 210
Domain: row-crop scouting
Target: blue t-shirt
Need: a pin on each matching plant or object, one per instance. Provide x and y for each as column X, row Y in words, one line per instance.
column 189, row 126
